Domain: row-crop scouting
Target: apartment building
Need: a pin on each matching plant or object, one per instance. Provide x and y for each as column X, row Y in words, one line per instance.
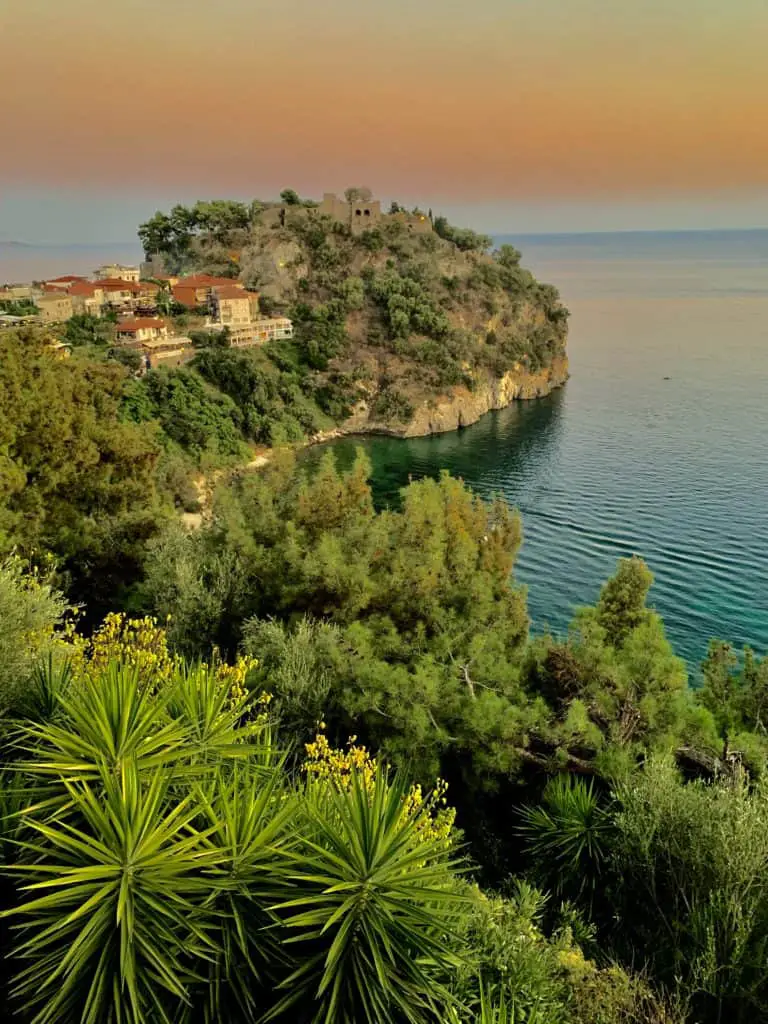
column 55, row 307
column 118, row 271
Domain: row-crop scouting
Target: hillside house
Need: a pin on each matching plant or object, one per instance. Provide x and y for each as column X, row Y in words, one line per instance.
column 172, row 351
column 118, row 293
column 196, row 290
column 135, row 331
column 63, row 283
column 233, row 307
column 260, row 331
column 16, row 292
column 55, row 307
column 86, row 298
column 119, row 271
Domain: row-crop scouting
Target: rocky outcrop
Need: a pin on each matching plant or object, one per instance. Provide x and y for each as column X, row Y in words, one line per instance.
column 461, row 406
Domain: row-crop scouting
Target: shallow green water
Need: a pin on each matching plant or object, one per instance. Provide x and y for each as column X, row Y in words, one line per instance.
column 622, row 460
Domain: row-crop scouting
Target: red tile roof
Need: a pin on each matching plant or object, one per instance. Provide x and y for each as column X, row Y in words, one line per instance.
column 133, row 324
column 231, row 293
column 84, row 288
column 116, row 284
column 66, row 277
column 205, row 281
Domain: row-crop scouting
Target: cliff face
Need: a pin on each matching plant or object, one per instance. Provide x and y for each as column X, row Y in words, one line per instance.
column 461, row 406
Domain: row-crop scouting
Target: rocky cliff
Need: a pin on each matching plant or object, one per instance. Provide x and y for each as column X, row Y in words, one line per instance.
column 460, row 406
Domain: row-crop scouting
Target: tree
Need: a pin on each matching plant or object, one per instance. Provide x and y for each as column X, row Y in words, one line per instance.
column 86, row 329
column 358, row 194
column 289, row 197
column 156, row 234
column 621, row 607
column 75, row 480
column 31, row 612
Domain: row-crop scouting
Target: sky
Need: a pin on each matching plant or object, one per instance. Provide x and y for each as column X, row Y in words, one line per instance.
column 507, row 115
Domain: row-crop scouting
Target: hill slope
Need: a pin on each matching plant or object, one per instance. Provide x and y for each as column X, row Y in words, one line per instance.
column 398, row 331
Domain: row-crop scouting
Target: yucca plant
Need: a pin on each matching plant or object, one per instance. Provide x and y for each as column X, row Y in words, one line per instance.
column 41, row 700
column 569, row 833
column 251, row 814
column 202, row 703
column 136, row 849
column 113, row 919
column 106, row 722
column 372, row 920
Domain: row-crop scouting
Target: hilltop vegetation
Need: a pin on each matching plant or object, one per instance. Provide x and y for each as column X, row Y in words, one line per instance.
column 386, row 320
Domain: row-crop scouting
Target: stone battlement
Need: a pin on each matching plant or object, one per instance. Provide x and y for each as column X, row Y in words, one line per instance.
column 364, row 213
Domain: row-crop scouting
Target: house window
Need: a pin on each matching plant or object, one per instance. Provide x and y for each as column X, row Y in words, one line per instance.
column 358, row 213
column 367, row 213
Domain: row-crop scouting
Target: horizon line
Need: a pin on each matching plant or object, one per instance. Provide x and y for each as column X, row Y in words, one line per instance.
column 493, row 234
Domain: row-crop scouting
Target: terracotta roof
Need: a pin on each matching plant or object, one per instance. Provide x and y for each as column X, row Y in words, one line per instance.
column 116, row 284
column 85, row 288
column 66, row 277
column 231, row 293
column 205, row 281
column 134, row 324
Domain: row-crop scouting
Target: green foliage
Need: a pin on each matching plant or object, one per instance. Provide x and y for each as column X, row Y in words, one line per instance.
column 462, row 238
column 407, row 306
column 426, row 661
column 86, row 329
column 569, row 834
column 167, row 869
column 19, row 307
column 692, row 887
column 31, row 612
column 376, row 902
column 197, row 418
column 75, row 480
column 621, row 607
column 275, row 404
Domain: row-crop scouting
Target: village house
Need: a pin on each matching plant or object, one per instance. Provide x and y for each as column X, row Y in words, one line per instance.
column 135, row 331
column 196, row 290
column 55, row 307
column 257, row 332
column 274, row 328
column 86, row 297
column 117, row 270
column 16, row 292
column 169, row 352
column 117, row 292
column 63, row 283
column 233, row 307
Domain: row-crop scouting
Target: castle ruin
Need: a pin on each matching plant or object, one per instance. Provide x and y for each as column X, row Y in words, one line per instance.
column 362, row 213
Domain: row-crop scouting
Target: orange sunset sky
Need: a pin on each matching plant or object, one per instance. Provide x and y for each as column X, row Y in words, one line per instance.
column 527, row 114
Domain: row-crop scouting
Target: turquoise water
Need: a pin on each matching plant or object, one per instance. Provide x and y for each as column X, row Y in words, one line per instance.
column 622, row 460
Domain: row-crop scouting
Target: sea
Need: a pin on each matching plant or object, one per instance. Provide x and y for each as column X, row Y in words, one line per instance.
column 21, row 263
column 656, row 446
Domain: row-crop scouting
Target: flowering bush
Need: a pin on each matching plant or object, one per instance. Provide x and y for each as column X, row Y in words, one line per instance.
column 434, row 819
